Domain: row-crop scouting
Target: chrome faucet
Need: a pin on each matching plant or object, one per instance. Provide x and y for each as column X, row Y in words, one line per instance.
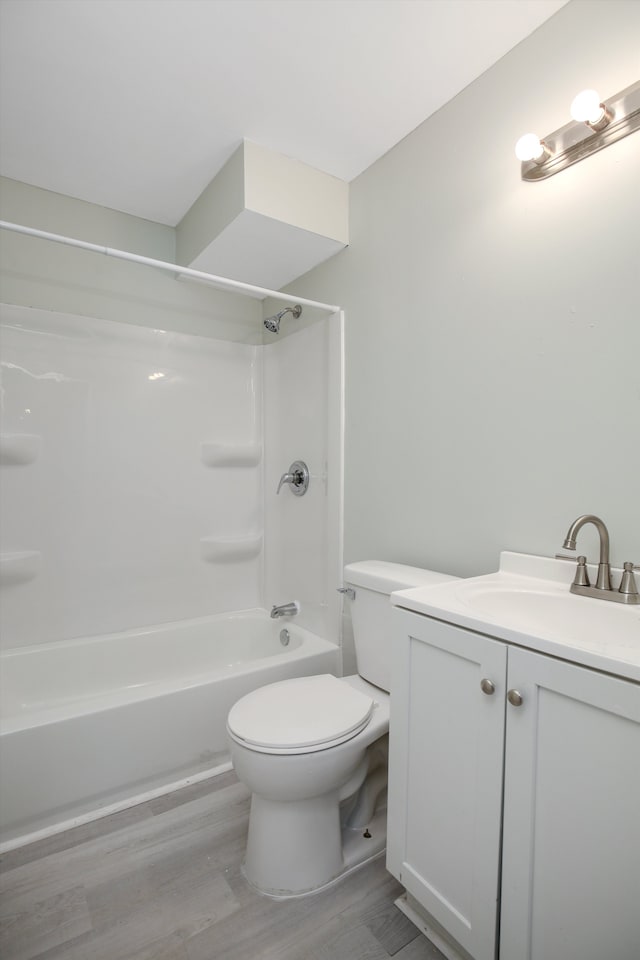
column 285, row 610
column 627, row 592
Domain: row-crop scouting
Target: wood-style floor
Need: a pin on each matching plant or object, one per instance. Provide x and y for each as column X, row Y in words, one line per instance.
column 162, row 881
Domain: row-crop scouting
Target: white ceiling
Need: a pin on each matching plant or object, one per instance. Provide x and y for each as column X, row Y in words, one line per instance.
column 136, row 104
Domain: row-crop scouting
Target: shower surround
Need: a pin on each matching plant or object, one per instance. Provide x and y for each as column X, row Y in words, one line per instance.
column 139, row 470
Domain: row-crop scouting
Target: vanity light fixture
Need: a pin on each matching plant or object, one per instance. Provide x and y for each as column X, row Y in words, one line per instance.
column 595, row 125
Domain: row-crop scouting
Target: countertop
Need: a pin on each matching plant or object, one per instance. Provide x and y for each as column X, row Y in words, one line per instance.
column 538, row 613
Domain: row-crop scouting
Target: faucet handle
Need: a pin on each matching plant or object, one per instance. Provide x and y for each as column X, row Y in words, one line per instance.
column 297, row 477
column 628, row 582
column 285, row 478
column 581, row 578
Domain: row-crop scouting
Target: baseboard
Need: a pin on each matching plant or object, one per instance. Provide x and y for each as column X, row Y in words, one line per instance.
column 111, row 808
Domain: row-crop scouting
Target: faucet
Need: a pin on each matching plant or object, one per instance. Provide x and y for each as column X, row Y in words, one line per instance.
column 285, row 610
column 627, row 592
column 603, row 581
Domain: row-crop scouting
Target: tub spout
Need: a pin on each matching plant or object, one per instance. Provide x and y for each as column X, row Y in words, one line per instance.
column 285, row 610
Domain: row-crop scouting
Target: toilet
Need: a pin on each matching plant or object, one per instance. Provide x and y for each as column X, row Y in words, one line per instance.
column 313, row 752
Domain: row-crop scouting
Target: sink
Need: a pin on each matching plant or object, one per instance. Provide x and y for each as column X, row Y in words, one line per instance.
column 528, row 602
column 552, row 611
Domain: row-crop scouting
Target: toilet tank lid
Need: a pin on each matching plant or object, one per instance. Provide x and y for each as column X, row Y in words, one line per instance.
column 386, row 577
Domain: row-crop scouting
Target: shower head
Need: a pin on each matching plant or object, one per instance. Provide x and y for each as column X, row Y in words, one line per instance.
column 273, row 323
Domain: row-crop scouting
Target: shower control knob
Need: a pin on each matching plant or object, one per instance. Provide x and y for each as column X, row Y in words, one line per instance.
column 297, row 478
column 487, row 686
column 515, row 698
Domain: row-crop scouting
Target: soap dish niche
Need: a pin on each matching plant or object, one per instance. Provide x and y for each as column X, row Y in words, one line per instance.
column 231, row 549
column 231, row 454
column 19, row 449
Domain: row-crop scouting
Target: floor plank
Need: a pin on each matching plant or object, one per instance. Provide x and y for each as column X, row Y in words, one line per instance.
column 165, row 883
column 56, row 920
column 392, row 928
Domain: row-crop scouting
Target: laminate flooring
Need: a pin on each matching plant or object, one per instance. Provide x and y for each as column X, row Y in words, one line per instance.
column 162, row 881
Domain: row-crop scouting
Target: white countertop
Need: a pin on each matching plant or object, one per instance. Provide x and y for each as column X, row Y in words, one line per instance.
column 527, row 602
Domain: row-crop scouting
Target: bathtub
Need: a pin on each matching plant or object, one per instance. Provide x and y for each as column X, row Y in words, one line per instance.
column 96, row 724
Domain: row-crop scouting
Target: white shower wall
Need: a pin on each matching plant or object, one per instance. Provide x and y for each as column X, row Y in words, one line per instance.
column 102, row 528
column 118, row 498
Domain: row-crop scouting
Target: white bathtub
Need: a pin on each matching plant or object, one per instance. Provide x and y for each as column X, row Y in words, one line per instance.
column 94, row 724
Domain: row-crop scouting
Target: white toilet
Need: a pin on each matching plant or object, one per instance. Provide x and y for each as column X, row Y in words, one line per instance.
column 313, row 752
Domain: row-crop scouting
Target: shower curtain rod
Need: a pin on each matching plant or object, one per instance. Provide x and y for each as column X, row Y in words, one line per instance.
column 163, row 265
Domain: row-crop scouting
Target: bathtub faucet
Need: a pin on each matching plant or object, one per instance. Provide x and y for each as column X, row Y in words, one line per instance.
column 285, row 610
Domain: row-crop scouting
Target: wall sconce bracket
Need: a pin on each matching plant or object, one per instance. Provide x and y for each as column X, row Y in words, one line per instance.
column 577, row 140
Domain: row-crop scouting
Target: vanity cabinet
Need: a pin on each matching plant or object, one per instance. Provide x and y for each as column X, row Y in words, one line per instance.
column 515, row 826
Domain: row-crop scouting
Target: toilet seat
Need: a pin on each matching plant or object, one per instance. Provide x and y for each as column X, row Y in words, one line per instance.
column 302, row 715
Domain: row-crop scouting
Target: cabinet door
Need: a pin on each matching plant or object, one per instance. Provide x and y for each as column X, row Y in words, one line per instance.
column 445, row 775
column 571, row 843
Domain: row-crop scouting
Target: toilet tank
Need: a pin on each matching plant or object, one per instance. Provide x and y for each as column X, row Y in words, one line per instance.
column 374, row 581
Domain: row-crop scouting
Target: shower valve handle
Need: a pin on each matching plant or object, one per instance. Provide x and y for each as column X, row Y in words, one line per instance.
column 297, row 478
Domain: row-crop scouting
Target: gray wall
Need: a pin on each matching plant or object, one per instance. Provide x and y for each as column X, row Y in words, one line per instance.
column 38, row 273
column 493, row 326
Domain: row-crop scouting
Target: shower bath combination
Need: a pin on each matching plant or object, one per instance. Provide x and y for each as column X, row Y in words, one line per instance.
column 265, row 408
column 273, row 323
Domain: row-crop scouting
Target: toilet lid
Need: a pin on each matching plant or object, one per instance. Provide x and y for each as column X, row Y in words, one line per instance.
column 300, row 713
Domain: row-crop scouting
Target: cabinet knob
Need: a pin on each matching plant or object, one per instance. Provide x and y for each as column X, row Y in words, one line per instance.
column 514, row 698
column 487, row 686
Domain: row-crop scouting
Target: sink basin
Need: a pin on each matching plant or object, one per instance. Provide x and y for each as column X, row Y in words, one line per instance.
column 553, row 612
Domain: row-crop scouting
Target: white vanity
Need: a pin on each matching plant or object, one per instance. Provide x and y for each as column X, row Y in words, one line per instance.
column 514, row 782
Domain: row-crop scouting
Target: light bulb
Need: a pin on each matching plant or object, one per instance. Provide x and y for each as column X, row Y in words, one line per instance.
column 529, row 147
column 587, row 107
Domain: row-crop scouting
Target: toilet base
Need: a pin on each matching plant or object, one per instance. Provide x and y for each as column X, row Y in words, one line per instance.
column 356, row 850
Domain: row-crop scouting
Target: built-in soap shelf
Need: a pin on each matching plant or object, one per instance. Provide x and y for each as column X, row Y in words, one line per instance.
column 18, row 449
column 230, row 454
column 231, row 549
column 19, row 566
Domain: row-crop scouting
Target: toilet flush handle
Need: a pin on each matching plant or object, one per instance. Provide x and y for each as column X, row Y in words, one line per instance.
column 348, row 592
